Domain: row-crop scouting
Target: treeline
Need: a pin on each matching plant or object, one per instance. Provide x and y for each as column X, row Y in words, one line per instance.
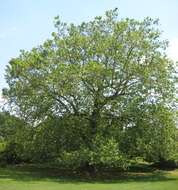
column 66, row 141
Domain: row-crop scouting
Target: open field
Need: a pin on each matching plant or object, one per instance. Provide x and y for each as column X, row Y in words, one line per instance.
column 29, row 178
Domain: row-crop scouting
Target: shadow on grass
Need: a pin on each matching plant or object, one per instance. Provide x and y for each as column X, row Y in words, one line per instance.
column 33, row 174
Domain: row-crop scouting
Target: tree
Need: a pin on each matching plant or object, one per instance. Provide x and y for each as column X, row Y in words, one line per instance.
column 153, row 134
column 94, row 72
column 8, row 125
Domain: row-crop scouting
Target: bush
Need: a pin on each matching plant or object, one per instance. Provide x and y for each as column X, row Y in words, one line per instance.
column 104, row 153
column 2, row 149
column 9, row 155
column 170, row 163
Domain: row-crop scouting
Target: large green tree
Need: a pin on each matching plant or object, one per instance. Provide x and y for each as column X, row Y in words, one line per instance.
column 96, row 73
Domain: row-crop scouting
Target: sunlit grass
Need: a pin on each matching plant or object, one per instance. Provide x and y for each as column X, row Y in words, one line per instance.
column 30, row 178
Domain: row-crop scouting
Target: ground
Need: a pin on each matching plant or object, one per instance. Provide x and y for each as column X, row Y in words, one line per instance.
column 30, row 178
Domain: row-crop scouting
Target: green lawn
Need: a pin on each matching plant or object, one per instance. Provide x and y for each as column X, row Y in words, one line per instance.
column 28, row 178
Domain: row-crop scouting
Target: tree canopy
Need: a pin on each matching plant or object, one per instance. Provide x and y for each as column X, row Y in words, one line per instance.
column 109, row 80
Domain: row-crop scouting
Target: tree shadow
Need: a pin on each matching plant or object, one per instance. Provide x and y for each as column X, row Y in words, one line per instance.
column 33, row 174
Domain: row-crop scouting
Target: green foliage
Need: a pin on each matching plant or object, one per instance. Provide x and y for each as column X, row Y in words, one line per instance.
column 94, row 93
column 105, row 153
column 2, row 146
column 8, row 125
column 100, row 66
column 154, row 135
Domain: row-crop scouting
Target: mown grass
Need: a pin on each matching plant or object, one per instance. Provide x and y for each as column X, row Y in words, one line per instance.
column 36, row 178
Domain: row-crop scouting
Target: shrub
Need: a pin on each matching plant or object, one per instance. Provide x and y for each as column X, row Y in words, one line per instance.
column 104, row 153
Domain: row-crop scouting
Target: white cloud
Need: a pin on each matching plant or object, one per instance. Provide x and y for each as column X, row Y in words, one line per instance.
column 173, row 49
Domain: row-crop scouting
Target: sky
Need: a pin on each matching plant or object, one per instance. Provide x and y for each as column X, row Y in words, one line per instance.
column 25, row 24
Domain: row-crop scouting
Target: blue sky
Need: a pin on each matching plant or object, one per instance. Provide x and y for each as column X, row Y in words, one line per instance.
column 27, row 23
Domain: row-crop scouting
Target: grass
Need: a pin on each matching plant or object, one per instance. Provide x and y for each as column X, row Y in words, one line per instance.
column 30, row 178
